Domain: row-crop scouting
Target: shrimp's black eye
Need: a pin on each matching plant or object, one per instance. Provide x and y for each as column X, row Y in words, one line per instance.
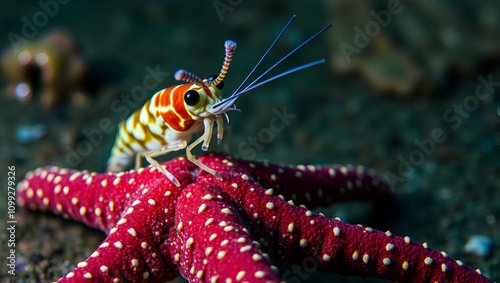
column 213, row 78
column 191, row 97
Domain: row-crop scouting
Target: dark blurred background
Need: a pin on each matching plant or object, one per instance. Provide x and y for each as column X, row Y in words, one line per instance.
column 410, row 88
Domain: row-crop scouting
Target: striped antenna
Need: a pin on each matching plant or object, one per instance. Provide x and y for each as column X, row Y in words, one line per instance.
column 230, row 47
column 183, row 75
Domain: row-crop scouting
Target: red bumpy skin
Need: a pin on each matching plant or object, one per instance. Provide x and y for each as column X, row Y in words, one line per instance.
column 212, row 230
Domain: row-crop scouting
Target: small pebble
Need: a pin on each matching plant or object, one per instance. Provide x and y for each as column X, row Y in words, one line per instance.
column 479, row 245
column 27, row 134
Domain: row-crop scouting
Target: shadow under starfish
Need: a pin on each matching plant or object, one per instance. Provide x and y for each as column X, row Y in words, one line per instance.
column 230, row 229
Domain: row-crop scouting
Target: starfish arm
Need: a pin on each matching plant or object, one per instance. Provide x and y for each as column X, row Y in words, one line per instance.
column 355, row 250
column 215, row 242
column 205, row 228
column 311, row 185
column 87, row 197
column 98, row 200
column 135, row 209
column 292, row 235
column 130, row 253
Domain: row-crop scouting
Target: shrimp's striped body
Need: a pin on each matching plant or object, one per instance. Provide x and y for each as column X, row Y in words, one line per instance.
column 167, row 122
column 163, row 120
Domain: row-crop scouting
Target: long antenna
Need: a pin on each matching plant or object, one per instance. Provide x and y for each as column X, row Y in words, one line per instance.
column 312, row 37
column 265, row 54
column 230, row 100
column 305, row 66
column 237, row 93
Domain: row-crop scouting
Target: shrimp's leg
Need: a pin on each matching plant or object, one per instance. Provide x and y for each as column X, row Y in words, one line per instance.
column 162, row 151
column 138, row 158
column 220, row 128
column 206, row 138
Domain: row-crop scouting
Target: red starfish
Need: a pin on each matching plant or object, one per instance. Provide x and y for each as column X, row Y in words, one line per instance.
column 230, row 229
